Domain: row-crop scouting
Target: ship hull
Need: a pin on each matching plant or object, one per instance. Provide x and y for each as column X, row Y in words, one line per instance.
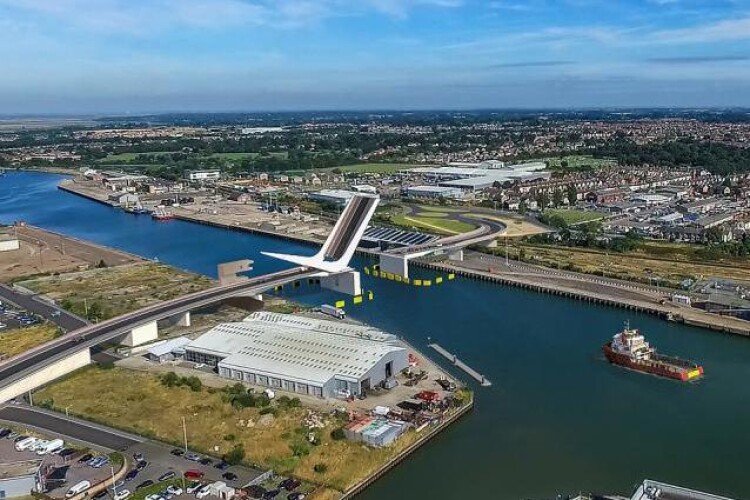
column 662, row 366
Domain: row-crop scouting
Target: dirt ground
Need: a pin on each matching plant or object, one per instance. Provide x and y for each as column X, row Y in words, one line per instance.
column 44, row 252
column 517, row 227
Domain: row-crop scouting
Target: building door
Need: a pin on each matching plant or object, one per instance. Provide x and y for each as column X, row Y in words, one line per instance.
column 389, row 369
column 364, row 386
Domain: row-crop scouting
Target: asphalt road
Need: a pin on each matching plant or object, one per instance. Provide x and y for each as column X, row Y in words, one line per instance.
column 32, row 303
column 92, row 335
column 85, row 432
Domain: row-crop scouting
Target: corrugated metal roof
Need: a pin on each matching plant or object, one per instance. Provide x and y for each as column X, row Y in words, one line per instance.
column 297, row 348
column 169, row 346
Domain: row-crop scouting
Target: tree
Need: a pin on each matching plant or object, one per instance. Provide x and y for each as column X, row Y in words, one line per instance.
column 542, row 200
column 523, row 207
column 235, row 456
column 572, row 194
column 557, row 198
column 170, row 379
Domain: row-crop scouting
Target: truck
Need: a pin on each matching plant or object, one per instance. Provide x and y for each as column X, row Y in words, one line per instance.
column 51, row 447
column 77, row 488
column 333, row 311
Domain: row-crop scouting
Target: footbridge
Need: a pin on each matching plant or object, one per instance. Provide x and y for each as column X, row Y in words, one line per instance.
column 63, row 355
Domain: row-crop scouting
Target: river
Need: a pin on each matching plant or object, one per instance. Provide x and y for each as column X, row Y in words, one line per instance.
column 558, row 418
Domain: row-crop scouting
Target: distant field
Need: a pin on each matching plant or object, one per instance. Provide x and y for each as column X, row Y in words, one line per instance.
column 578, row 161
column 575, row 216
column 128, row 157
column 437, row 225
column 20, row 340
column 373, row 168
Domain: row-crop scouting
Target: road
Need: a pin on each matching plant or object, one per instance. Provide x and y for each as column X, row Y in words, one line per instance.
column 92, row 335
column 69, row 427
column 67, row 321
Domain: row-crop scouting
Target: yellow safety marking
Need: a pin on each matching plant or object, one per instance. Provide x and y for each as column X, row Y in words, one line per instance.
column 376, row 267
column 370, row 295
column 375, row 273
column 693, row 374
column 340, row 303
column 451, row 276
column 427, row 283
column 390, row 276
column 357, row 299
column 406, row 280
column 367, row 270
column 399, row 278
column 438, row 280
column 417, row 282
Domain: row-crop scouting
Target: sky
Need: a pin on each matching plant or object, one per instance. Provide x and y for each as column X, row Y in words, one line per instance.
column 144, row 56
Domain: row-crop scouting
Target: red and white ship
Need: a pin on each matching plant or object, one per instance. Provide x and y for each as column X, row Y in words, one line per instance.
column 161, row 214
column 630, row 349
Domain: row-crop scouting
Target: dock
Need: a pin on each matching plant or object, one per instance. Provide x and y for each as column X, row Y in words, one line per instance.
column 460, row 364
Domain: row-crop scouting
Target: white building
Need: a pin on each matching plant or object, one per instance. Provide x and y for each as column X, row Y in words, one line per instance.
column 335, row 196
column 432, row 192
column 8, row 242
column 203, row 175
column 302, row 355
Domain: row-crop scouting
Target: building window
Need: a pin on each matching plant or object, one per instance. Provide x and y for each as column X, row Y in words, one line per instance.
column 275, row 382
column 302, row 388
column 317, row 391
column 262, row 379
column 250, row 377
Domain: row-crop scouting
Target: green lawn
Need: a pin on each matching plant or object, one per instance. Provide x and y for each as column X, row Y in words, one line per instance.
column 128, row 157
column 435, row 225
column 574, row 216
column 242, row 156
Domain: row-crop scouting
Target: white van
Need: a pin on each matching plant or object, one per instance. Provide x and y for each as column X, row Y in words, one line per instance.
column 51, row 447
column 77, row 489
column 25, row 444
column 41, row 443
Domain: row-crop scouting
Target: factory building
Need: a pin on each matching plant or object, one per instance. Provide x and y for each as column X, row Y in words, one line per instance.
column 303, row 355
column 333, row 196
column 432, row 192
column 19, row 479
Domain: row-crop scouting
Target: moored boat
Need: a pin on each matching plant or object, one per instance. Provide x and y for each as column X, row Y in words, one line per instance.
column 630, row 350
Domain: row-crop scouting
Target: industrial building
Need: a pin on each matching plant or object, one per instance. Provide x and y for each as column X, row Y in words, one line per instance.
column 168, row 351
column 203, row 175
column 317, row 357
column 9, row 242
column 333, row 196
column 19, row 479
column 432, row 192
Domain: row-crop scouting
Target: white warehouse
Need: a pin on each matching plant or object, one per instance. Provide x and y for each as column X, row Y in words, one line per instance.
column 298, row 354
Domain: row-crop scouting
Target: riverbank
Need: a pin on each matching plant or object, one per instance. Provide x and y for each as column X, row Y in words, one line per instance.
column 579, row 286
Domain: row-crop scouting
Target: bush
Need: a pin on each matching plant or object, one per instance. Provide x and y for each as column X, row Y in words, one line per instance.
column 268, row 410
column 107, row 365
column 337, row 434
column 320, row 468
column 235, row 456
column 230, row 437
column 300, row 449
column 286, row 402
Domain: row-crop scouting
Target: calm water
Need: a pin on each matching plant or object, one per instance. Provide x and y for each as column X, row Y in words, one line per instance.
column 558, row 419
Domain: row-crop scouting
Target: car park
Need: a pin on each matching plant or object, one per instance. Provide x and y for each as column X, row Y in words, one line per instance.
column 144, row 484
column 167, row 476
column 117, row 486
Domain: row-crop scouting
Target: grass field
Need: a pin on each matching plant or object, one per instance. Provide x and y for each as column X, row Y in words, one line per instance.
column 16, row 341
column 437, row 224
column 574, row 216
column 578, row 161
column 118, row 290
column 128, row 157
column 671, row 262
column 145, row 406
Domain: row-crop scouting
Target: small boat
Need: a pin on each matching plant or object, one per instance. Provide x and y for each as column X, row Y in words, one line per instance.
column 162, row 214
column 630, row 350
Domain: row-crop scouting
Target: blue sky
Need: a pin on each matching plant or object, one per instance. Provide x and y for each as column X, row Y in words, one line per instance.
column 119, row 56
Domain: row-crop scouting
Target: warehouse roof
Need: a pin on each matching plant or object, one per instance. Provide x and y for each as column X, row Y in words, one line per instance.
column 169, row 346
column 297, row 348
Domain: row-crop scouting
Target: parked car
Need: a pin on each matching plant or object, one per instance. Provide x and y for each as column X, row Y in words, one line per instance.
column 289, row 484
column 271, row 494
column 203, row 492
column 132, row 474
column 138, row 457
column 295, row 496
column 141, row 465
column 177, row 452
column 66, row 452
column 193, row 487
column 4, row 432
column 193, row 474
column 205, row 461
column 153, row 496
column 222, row 465
column 144, row 484
column 12, row 435
column 229, row 476
column 174, row 490
column 121, row 495
column 101, row 495
column 167, row 475
column 77, row 488
column 193, row 457
column 85, row 458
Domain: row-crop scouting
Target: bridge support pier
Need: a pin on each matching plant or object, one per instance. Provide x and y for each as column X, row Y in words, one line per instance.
column 142, row 334
column 182, row 319
column 394, row 264
column 457, row 256
column 47, row 374
column 348, row 282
